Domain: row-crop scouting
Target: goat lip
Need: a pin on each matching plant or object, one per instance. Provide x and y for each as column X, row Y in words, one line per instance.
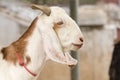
column 78, row 45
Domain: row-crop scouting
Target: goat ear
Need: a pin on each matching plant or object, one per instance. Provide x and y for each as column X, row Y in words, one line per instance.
column 53, row 48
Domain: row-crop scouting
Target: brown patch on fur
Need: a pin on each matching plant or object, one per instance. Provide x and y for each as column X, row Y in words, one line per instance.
column 19, row 46
column 28, row 59
column 55, row 26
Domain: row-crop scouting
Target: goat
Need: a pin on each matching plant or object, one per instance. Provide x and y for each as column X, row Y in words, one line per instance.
column 51, row 35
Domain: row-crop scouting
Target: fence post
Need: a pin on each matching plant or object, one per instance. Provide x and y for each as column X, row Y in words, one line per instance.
column 75, row 72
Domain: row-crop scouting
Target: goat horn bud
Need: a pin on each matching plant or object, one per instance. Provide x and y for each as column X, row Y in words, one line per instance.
column 44, row 9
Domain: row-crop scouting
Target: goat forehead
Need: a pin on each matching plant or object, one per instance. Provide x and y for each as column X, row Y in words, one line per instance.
column 58, row 12
column 57, row 9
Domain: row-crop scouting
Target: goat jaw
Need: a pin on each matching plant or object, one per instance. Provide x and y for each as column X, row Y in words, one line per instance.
column 70, row 61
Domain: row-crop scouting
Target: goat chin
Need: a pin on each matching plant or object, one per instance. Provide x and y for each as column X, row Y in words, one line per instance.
column 75, row 48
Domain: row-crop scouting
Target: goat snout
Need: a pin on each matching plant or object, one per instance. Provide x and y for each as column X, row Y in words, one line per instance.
column 78, row 43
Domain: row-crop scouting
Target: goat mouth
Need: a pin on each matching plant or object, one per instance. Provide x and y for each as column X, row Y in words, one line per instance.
column 77, row 45
column 70, row 60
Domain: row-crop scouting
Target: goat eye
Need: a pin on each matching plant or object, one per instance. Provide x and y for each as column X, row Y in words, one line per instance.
column 60, row 23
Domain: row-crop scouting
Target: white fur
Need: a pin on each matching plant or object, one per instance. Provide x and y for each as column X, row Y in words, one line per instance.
column 45, row 43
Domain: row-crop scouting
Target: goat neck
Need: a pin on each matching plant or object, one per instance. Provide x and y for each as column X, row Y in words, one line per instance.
column 29, row 47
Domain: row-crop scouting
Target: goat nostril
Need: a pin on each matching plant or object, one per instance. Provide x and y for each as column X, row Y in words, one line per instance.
column 81, row 39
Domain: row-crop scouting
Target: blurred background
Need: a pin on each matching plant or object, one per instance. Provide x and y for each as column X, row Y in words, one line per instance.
column 99, row 21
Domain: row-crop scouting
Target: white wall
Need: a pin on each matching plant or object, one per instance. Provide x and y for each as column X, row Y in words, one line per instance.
column 9, row 31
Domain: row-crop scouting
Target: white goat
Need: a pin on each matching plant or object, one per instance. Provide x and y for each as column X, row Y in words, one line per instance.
column 51, row 35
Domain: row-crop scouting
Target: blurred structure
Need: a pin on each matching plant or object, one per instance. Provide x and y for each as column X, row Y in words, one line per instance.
column 95, row 55
column 74, row 7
